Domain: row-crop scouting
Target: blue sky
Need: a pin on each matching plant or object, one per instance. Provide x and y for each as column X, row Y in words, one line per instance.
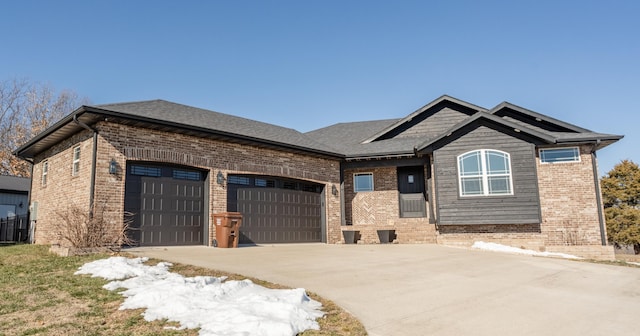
column 310, row 64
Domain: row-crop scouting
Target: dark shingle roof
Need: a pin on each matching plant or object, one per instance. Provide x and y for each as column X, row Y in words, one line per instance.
column 349, row 139
column 161, row 110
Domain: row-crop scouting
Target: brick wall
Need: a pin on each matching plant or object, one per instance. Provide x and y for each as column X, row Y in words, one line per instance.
column 369, row 211
column 62, row 190
column 130, row 143
column 126, row 143
column 568, row 202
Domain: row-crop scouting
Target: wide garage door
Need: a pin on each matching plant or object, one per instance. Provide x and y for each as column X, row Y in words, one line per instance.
column 166, row 203
column 276, row 210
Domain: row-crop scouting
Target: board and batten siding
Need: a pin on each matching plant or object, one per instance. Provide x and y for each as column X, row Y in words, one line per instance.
column 523, row 207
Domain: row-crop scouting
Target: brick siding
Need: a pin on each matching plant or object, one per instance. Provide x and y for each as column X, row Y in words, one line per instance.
column 369, row 211
column 124, row 143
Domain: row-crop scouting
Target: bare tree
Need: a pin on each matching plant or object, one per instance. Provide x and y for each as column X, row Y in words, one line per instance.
column 27, row 109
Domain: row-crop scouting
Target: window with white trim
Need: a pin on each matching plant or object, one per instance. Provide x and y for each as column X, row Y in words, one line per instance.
column 558, row 155
column 45, row 172
column 485, row 172
column 76, row 161
column 362, row 182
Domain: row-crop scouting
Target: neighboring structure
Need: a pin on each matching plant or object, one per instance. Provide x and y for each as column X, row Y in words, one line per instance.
column 14, row 209
column 14, row 196
column 450, row 172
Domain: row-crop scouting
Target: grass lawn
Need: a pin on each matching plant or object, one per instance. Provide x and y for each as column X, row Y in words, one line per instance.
column 39, row 295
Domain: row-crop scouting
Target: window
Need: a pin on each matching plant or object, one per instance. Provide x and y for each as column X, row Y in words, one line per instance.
column 186, row 175
column 363, row 182
column 45, row 171
column 265, row 183
column 234, row 179
column 484, row 172
column 556, row 155
column 76, row 161
column 146, row 171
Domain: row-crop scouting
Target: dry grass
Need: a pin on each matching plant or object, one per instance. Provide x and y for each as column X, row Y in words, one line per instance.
column 39, row 295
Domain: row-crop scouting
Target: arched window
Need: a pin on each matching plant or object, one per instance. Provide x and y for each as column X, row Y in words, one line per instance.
column 484, row 172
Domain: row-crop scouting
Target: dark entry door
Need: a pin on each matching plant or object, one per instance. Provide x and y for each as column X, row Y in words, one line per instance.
column 167, row 204
column 411, row 187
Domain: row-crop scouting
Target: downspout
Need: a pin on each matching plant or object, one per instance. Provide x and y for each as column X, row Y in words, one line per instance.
column 603, row 230
column 92, row 187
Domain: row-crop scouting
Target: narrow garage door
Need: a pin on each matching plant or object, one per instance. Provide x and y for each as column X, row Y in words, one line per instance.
column 167, row 204
column 276, row 210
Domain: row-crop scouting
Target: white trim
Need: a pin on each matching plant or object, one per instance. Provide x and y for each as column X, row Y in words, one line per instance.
column 484, row 173
column 45, row 172
column 75, row 165
column 559, row 148
column 355, row 187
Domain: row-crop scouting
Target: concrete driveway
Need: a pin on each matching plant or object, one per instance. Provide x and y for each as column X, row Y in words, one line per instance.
column 436, row 290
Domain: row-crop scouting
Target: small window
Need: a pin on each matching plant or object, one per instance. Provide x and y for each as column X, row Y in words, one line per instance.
column 234, row 179
column 76, row 161
column 146, row 171
column 484, row 172
column 186, row 175
column 363, row 182
column 557, row 155
column 265, row 183
column 45, row 172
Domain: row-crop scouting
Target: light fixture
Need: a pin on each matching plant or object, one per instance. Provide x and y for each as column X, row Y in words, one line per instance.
column 220, row 178
column 334, row 190
column 113, row 167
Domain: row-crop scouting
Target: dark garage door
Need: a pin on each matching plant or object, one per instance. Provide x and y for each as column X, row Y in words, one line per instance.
column 167, row 204
column 276, row 210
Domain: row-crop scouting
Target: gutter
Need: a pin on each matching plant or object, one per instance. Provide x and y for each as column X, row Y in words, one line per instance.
column 92, row 187
column 594, row 164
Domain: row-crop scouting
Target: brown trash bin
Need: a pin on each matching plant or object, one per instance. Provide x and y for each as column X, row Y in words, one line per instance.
column 227, row 229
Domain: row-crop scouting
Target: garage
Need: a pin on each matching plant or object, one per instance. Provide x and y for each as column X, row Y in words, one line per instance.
column 276, row 210
column 167, row 204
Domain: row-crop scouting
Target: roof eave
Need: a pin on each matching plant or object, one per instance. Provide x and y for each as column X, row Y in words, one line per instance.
column 25, row 153
column 540, row 116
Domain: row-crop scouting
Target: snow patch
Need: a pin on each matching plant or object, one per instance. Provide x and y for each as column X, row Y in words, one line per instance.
column 216, row 306
column 510, row 249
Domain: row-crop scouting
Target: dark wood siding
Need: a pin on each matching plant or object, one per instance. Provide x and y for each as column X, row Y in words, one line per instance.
column 523, row 207
column 434, row 124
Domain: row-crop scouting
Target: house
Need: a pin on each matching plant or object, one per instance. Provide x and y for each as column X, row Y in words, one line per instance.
column 14, row 196
column 14, row 208
column 449, row 173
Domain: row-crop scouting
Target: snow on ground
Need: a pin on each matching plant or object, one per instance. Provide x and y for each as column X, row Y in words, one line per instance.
column 216, row 306
column 633, row 263
column 509, row 249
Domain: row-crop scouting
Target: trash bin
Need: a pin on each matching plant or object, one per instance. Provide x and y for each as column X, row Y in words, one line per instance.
column 227, row 229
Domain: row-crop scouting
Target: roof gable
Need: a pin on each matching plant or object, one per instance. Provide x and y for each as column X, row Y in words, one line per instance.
column 490, row 120
column 429, row 120
column 521, row 115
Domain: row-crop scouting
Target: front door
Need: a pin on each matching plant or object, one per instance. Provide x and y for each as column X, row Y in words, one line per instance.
column 411, row 187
